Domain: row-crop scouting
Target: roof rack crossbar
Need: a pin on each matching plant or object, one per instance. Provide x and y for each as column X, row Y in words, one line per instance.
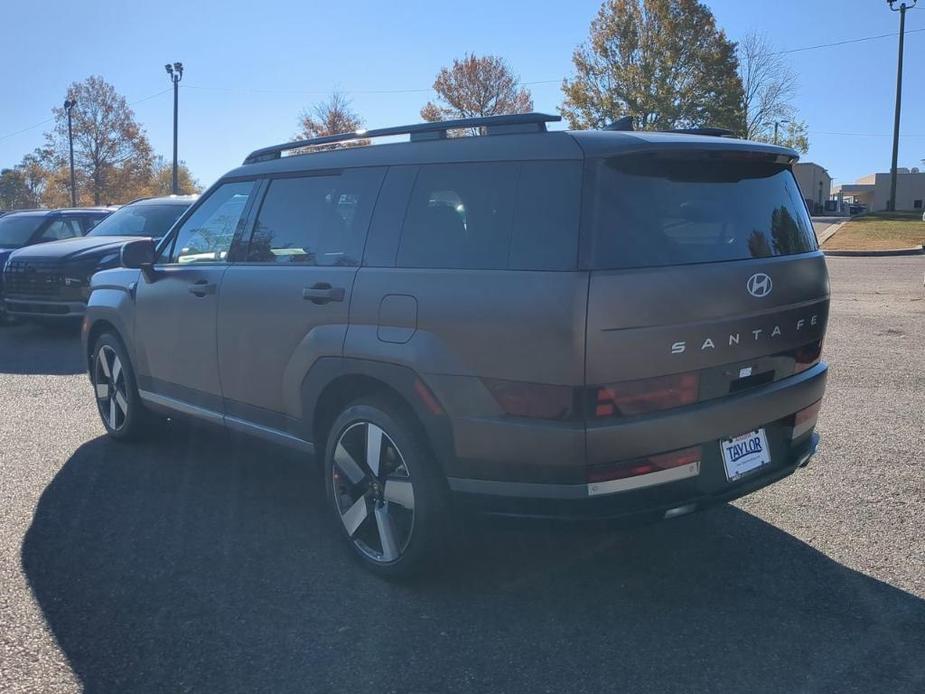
column 516, row 122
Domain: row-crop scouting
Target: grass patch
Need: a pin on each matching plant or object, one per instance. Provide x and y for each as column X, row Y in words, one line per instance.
column 879, row 231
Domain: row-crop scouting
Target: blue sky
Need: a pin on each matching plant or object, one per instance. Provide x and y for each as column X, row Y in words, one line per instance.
column 252, row 67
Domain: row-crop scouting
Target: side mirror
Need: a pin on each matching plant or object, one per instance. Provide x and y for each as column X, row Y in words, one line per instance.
column 139, row 255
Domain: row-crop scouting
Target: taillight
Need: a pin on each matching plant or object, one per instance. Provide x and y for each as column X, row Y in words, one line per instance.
column 807, row 356
column 644, row 466
column 805, row 419
column 537, row 400
column 647, row 395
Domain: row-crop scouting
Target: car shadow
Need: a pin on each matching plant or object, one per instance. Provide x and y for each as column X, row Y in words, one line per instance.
column 33, row 348
column 205, row 563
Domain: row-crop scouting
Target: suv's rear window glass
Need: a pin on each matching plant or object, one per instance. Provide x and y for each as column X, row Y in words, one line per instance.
column 650, row 210
column 315, row 220
column 507, row 215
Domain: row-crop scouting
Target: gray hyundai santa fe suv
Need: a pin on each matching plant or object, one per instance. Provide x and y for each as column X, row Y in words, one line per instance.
column 578, row 324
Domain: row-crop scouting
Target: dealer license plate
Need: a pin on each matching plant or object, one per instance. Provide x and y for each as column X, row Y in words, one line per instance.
column 744, row 453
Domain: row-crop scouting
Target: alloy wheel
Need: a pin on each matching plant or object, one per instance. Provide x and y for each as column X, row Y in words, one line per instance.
column 111, row 391
column 373, row 492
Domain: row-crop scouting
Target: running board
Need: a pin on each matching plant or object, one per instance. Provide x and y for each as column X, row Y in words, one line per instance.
column 234, row 423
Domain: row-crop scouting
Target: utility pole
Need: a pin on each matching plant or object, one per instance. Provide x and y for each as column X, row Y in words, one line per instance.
column 776, row 124
column 903, row 6
column 175, row 72
column 68, row 105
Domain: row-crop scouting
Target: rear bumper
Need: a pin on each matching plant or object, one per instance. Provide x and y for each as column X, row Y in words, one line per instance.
column 653, row 502
column 38, row 308
column 540, row 468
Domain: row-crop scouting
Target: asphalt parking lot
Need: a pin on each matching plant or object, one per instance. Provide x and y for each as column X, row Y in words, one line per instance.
column 199, row 562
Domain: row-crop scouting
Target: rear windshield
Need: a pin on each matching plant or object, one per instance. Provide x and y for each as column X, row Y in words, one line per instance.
column 16, row 231
column 139, row 220
column 652, row 210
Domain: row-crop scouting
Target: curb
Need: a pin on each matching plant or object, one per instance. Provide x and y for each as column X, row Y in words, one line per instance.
column 915, row 250
column 830, row 232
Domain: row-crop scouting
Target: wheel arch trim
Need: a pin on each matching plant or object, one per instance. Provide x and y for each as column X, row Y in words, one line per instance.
column 402, row 380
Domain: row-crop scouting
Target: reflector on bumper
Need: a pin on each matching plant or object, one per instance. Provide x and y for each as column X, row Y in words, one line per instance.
column 805, row 419
column 645, row 472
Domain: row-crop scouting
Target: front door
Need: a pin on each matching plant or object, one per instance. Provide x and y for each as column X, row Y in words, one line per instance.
column 287, row 303
column 176, row 309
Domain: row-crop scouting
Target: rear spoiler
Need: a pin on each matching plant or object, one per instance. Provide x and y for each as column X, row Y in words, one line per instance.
column 625, row 124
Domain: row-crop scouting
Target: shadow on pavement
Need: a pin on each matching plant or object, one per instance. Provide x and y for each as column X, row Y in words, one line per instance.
column 200, row 563
column 32, row 348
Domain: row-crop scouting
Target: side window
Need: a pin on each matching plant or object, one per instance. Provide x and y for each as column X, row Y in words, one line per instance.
column 315, row 220
column 459, row 216
column 64, row 228
column 207, row 235
column 505, row 215
column 90, row 222
column 546, row 216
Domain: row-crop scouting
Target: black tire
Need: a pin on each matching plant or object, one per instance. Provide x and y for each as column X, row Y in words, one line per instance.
column 386, row 497
column 120, row 408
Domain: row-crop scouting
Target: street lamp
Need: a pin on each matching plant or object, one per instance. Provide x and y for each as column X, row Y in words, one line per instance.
column 776, row 124
column 175, row 72
column 903, row 6
column 68, row 105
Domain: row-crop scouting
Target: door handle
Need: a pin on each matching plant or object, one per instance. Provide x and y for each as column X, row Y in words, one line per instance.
column 202, row 287
column 323, row 293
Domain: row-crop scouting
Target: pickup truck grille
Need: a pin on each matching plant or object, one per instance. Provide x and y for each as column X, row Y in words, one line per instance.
column 27, row 278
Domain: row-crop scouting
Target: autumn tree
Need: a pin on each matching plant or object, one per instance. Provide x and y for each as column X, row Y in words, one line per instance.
column 24, row 185
column 162, row 178
column 663, row 62
column 477, row 86
column 769, row 86
column 11, row 189
column 333, row 116
column 111, row 151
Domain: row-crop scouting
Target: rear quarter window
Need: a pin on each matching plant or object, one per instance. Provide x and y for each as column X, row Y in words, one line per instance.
column 656, row 210
column 493, row 216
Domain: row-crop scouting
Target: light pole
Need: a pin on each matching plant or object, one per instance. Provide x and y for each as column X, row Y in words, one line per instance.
column 903, row 6
column 175, row 72
column 68, row 105
column 776, row 124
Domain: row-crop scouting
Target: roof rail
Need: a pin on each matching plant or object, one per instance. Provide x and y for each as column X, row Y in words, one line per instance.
column 710, row 132
column 494, row 125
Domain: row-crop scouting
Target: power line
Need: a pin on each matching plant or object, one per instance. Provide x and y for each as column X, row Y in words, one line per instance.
column 846, row 41
column 430, row 89
column 299, row 92
column 823, row 132
column 24, row 130
column 49, row 120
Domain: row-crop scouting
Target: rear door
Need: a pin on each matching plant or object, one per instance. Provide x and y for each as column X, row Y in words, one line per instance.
column 704, row 267
column 285, row 304
column 176, row 312
column 697, row 263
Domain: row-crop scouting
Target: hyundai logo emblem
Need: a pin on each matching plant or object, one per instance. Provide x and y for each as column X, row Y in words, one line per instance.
column 759, row 284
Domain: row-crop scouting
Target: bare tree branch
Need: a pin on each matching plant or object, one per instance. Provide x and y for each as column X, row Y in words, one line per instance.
column 769, row 86
column 331, row 117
